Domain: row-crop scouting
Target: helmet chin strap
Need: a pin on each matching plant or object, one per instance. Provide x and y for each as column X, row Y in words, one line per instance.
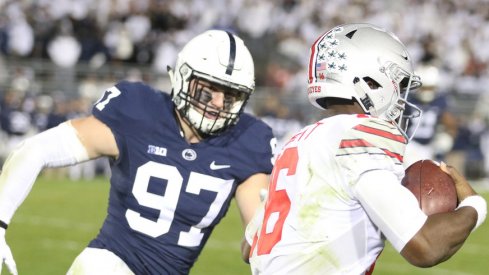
column 171, row 74
column 366, row 102
column 186, row 127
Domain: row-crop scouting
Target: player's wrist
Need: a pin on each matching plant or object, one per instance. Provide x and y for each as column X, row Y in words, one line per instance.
column 479, row 204
column 3, row 225
column 3, row 231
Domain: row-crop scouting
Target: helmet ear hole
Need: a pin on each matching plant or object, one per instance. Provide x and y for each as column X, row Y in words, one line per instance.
column 372, row 84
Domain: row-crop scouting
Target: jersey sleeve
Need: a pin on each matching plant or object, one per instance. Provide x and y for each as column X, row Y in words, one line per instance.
column 112, row 108
column 393, row 208
column 255, row 148
column 371, row 144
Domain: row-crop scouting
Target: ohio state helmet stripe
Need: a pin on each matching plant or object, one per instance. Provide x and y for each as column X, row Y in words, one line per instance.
column 312, row 59
column 232, row 54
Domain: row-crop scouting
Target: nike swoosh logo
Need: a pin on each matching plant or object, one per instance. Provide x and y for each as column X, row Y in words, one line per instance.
column 215, row 166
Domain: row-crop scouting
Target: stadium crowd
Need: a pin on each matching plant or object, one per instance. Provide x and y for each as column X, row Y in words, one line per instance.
column 449, row 34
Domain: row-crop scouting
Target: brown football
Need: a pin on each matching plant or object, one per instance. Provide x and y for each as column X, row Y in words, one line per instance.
column 434, row 189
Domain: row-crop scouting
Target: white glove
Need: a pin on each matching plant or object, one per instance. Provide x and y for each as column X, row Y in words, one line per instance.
column 6, row 254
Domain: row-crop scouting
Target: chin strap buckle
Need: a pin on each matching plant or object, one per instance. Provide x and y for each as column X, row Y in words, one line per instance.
column 360, row 87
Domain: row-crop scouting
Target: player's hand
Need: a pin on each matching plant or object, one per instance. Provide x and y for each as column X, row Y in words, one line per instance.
column 6, row 254
column 461, row 184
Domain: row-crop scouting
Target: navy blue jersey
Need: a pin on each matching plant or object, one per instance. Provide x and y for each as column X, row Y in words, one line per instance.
column 167, row 195
column 432, row 113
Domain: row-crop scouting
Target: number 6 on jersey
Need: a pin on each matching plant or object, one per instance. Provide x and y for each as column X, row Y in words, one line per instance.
column 278, row 204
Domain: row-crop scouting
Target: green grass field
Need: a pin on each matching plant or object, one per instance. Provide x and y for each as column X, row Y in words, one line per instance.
column 60, row 217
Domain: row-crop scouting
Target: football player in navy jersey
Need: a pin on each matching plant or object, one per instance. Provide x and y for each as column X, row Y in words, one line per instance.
column 176, row 161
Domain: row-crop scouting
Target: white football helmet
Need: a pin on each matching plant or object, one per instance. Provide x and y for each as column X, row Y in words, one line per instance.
column 431, row 82
column 346, row 59
column 221, row 59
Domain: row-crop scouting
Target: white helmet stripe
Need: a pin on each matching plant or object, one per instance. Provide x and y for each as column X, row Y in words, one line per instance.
column 232, row 54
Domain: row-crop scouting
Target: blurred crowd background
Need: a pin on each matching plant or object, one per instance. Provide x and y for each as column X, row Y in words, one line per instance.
column 58, row 56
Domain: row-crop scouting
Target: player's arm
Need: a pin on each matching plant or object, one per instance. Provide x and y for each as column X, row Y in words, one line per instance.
column 245, row 250
column 444, row 234
column 248, row 202
column 96, row 137
column 67, row 144
column 422, row 240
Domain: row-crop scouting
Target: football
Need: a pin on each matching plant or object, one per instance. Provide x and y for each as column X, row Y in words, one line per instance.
column 434, row 189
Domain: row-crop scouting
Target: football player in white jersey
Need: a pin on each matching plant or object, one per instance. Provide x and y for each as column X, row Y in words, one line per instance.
column 335, row 192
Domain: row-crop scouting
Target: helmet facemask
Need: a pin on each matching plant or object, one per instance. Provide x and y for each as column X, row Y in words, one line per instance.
column 404, row 83
column 194, row 101
column 215, row 64
column 372, row 99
